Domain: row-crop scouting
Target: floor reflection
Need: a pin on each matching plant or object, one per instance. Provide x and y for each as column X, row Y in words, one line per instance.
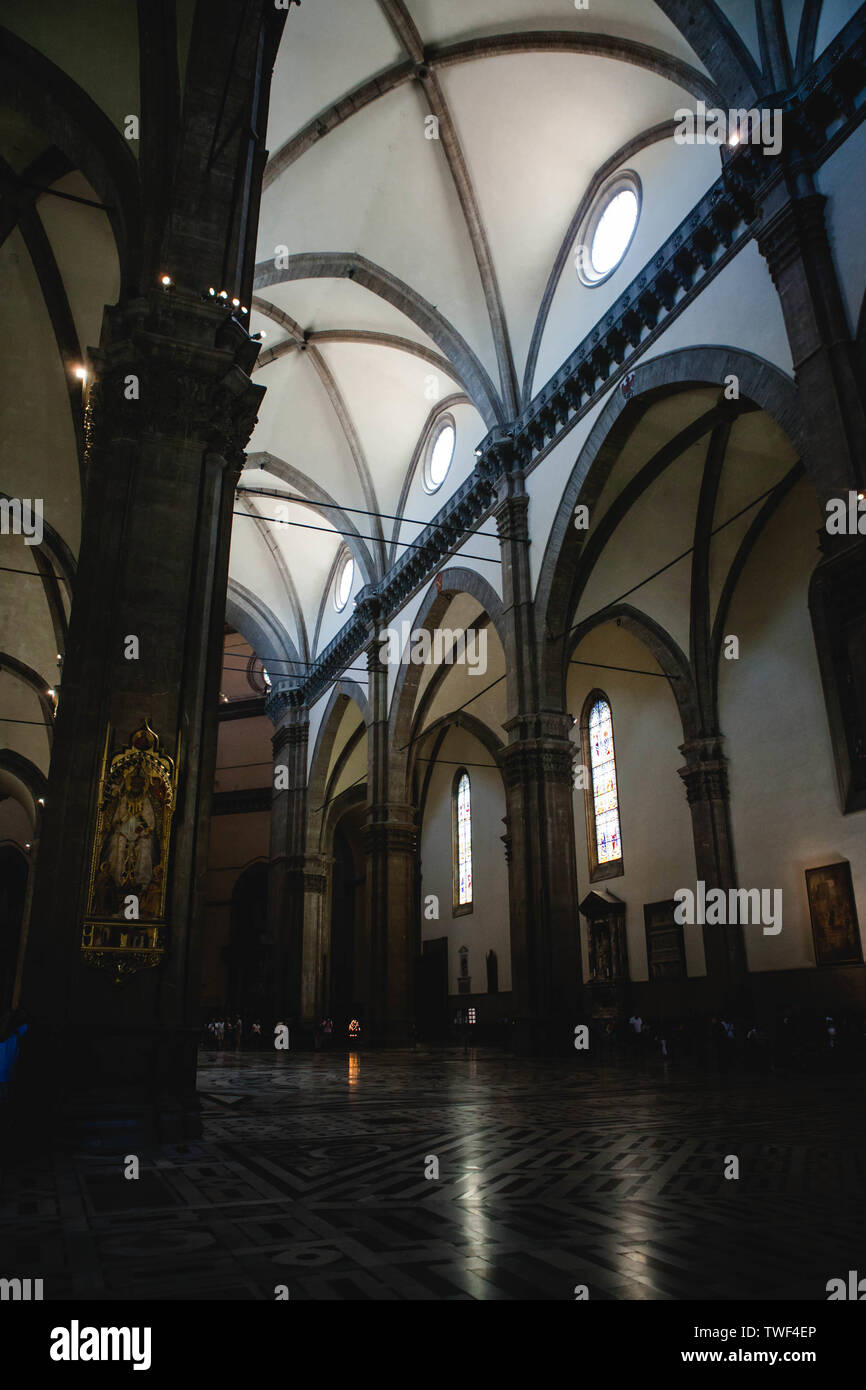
column 551, row 1176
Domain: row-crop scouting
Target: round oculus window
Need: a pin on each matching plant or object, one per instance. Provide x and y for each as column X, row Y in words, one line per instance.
column 439, row 454
column 343, row 585
column 608, row 230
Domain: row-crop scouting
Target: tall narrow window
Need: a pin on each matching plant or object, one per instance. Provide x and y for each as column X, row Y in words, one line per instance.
column 461, row 842
column 602, row 799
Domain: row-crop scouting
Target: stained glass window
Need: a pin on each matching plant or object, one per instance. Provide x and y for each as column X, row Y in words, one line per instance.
column 605, row 800
column 462, row 841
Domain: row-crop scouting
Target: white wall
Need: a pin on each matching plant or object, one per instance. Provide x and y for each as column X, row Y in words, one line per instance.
column 785, row 809
column 655, row 822
column 842, row 182
column 486, row 927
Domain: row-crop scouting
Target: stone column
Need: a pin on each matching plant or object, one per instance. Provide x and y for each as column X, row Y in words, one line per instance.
column 169, row 414
column 793, row 239
column 538, row 770
column 828, row 367
column 542, row 883
column 391, row 846
column 288, row 839
column 386, row 980
column 316, row 940
column 706, row 780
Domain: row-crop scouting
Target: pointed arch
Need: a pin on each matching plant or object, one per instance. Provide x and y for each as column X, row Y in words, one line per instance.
column 661, row 645
column 759, row 382
column 344, row 692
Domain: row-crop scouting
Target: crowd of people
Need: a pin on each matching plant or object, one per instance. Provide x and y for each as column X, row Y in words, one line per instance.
column 224, row 1033
column 797, row 1040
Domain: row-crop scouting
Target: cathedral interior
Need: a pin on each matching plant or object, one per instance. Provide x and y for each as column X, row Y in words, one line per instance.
column 393, row 394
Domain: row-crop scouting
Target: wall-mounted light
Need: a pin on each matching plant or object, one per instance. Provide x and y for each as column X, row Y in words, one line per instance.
column 165, row 280
column 81, row 373
column 40, row 801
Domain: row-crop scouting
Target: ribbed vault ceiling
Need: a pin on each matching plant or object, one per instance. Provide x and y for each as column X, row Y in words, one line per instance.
column 398, row 273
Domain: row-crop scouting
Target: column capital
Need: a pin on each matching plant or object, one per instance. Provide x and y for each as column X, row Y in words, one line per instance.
column 291, row 735
column 536, row 760
column 286, row 703
column 173, row 366
column 511, row 515
column 706, row 771
column 796, row 226
column 391, row 837
column 543, row 725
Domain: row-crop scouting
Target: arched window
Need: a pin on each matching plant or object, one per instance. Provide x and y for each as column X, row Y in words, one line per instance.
column 461, row 843
column 343, row 582
column 608, row 228
column 604, row 837
column 439, row 452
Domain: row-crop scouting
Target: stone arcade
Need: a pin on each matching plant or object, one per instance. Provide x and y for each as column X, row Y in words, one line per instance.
column 286, row 375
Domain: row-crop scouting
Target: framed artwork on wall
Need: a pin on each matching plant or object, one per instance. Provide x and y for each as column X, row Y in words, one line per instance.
column 665, row 947
column 833, row 910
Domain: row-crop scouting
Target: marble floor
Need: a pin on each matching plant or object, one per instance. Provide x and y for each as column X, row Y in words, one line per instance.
column 310, row 1174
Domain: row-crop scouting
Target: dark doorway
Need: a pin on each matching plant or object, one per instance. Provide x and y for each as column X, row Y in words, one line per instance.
column 431, row 990
column 347, row 916
column 249, row 954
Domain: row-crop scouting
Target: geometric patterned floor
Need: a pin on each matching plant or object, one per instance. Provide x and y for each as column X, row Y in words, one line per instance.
column 310, row 1174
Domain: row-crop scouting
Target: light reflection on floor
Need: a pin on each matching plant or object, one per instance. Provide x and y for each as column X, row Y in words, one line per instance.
column 311, row 1173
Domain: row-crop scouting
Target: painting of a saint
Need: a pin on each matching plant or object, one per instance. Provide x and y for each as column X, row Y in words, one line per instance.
column 834, row 915
column 126, row 909
column 130, row 851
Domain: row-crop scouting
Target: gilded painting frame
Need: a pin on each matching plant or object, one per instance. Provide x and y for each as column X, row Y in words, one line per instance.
column 833, row 912
column 125, row 928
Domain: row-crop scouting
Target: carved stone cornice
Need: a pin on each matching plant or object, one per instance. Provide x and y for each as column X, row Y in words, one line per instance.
column 795, row 230
column 290, row 736
column 283, row 700
column 241, row 802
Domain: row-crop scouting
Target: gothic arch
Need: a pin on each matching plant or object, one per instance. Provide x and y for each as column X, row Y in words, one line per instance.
column 343, row 692
column 35, row 86
column 760, row 382
column 25, row 772
column 264, row 632
column 419, row 777
column 666, row 651
column 433, row 608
